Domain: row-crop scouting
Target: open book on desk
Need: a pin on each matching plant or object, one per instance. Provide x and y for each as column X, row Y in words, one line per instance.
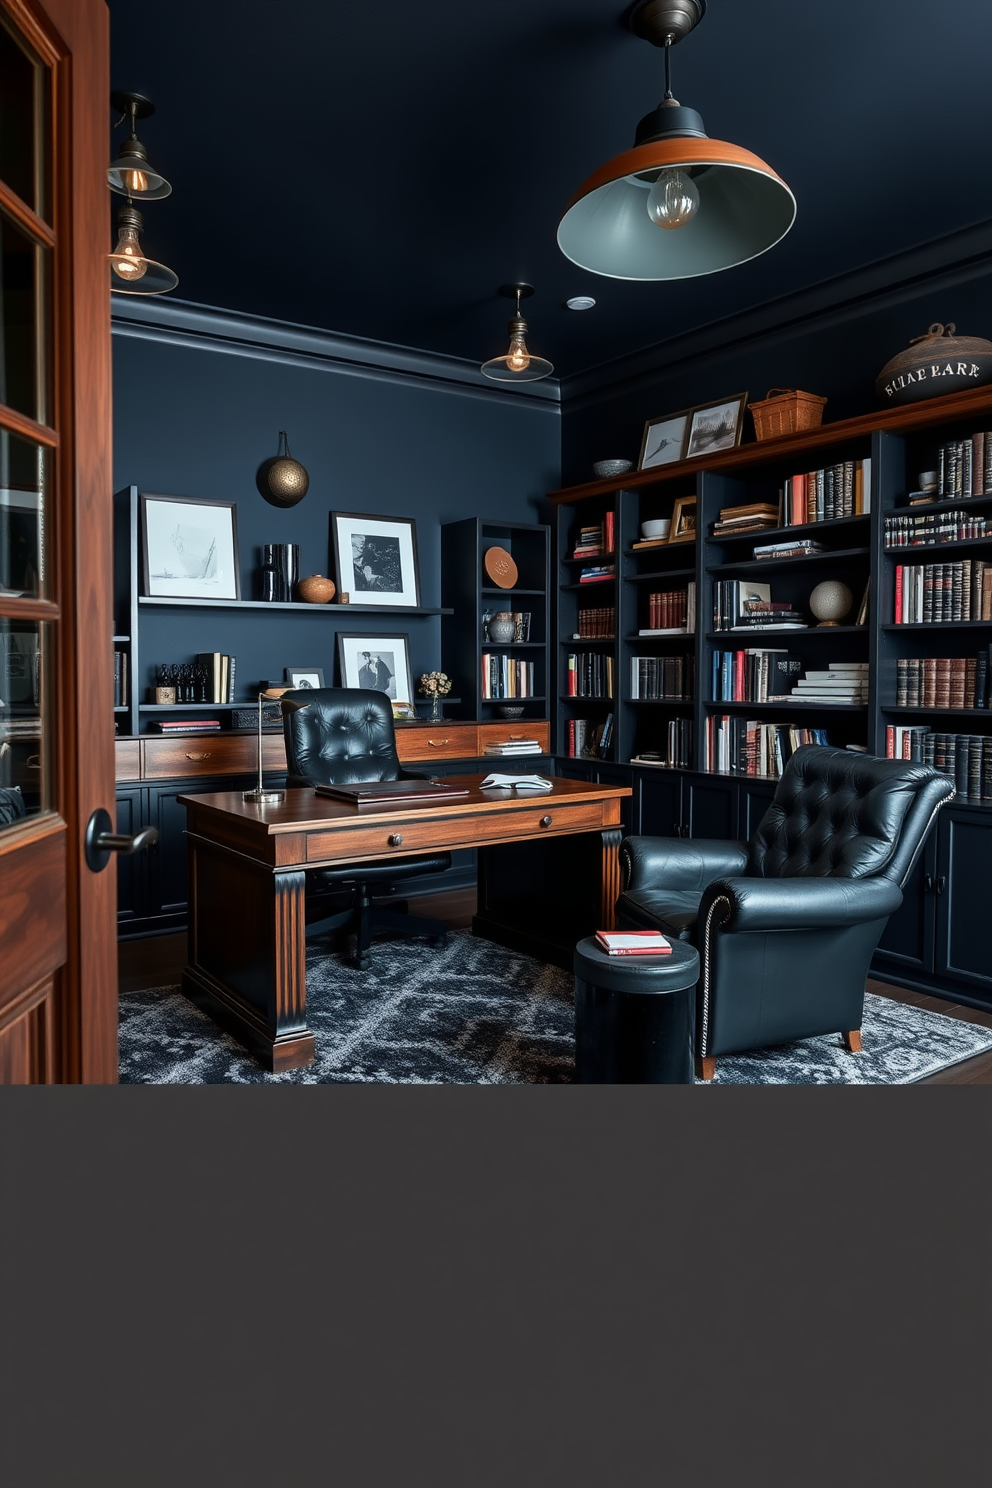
column 516, row 782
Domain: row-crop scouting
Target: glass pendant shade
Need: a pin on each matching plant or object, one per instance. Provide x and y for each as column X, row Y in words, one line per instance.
column 130, row 271
column 519, row 364
column 131, row 175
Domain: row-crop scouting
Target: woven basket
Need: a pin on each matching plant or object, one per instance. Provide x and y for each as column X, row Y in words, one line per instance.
column 786, row 411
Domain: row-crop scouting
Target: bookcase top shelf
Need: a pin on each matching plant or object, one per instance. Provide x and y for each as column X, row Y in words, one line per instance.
column 297, row 605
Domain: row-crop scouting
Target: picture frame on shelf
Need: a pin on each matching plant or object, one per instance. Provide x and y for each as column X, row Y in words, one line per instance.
column 189, row 548
column 716, row 426
column 377, row 662
column 304, row 677
column 683, row 527
column 663, row 439
column 404, row 713
column 375, row 558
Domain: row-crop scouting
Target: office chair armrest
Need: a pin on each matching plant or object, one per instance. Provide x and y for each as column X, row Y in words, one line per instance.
column 671, row 862
column 798, row 903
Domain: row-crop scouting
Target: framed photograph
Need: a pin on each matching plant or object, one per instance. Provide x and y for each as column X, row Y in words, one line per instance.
column 189, row 548
column 403, row 711
column 379, row 662
column 716, row 426
column 683, row 527
column 304, row 676
column 375, row 558
column 663, row 440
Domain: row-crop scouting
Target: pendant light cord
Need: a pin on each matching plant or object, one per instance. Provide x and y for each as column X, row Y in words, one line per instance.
column 668, row 66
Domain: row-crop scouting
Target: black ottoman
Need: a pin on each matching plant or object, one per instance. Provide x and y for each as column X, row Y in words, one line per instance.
column 634, row 1016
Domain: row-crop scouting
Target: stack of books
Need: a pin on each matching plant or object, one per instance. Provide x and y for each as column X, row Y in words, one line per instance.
column 797, row 548
column 120, row 679
column 738, row 604
column 595, row 538
column 753, row 516
column 596, row 573
column 633, row 943
column 514, row 747
column 843, row 682
column 187, row 725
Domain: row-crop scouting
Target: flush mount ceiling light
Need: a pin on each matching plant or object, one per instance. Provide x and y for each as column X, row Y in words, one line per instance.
column 580, row 302
column 130, row 174
column 678, row 204
column 518, row 365
column 130, row 271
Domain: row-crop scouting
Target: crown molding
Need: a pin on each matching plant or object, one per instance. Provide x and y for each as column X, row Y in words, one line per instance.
column 943, row 263
column 206, row 328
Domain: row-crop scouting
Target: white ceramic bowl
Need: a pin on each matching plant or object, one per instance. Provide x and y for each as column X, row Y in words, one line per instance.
column 607, row 469
column 660, row 528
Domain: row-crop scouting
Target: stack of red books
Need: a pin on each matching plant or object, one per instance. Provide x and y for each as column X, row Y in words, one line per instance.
column 633, row 943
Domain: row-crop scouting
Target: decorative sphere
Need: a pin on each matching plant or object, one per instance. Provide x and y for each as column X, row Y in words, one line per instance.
column 831, row 601
column 282, row 481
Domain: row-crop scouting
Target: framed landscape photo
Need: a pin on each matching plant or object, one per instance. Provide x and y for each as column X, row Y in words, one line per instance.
column 375, row 558
column 716, row 426
column 663, row 440
column 189, row 548
column 304, row 677
column 683, row 527
column 381, row 663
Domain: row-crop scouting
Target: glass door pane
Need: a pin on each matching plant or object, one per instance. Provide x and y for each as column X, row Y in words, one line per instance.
column 25, row 775
column 24, row 494
column 24, row 113
column 25, row 272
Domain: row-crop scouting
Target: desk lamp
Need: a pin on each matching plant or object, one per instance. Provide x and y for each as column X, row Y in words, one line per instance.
column 260, row 796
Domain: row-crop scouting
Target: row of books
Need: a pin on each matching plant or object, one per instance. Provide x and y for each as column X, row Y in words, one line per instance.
column 943, row 681
column 939, row 592
column 672, row 610
column 596, row 537
column 797, row 547
column 186, row 725
column 739, row 604
column 597, row 573
column 677, row 751
column 839, row 490
column 966, row 758
column 120, row 679
column 589, row 740
column 598, row 623
column 741, row 746
column 926, row 529
column 964, row 466
column 589, row 674
column 758, row 675
column 506, row 677
column 653, row 678
column 220, row 670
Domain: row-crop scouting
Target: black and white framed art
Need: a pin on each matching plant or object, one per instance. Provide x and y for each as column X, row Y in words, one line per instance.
column 189, row 548
column 379, row 662
column 375, row 558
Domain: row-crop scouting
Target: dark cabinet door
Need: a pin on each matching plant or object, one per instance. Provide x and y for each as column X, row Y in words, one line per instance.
column 661, row 804
column 907, row 942
column 964, row 866
column 131, row 867
column 755, row 799
column 709, row 807
column 616, row 775
column 167, row 880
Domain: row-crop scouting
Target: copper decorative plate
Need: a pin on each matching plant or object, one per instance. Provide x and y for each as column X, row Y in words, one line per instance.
column 500, row 567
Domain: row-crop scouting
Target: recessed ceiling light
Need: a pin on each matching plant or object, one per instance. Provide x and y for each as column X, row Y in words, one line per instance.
column 580, row 302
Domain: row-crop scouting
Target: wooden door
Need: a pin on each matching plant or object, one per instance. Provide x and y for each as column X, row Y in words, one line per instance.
column 58, row 955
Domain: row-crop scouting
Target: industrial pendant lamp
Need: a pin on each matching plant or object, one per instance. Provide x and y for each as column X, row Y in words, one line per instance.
column 518, row 365
column 130, row 271
column 130, row 174
column 678, row 204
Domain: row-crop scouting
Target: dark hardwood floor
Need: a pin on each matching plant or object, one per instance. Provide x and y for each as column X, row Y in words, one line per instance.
column 159, row 962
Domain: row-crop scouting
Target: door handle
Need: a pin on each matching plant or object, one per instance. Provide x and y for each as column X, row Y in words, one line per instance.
column 941, row 882
column 101, row 840
column 927, row 883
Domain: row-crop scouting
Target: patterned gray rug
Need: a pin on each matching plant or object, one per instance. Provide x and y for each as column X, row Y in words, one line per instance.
column 476, row 1014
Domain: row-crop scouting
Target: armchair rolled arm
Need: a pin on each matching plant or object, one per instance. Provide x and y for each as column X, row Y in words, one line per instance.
column 798, row 903
column 671, row 862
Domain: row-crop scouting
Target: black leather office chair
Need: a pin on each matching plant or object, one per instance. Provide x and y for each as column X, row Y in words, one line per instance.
column 345, row 737
column 786, row 924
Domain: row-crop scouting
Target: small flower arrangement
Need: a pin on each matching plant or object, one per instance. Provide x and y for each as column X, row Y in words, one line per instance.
column 434, row 684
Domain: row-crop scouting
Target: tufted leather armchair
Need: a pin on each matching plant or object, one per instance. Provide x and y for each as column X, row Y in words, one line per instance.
column 344, row 737
column 786, row 924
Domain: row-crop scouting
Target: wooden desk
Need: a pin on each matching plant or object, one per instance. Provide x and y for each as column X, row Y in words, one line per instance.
column 247, row 871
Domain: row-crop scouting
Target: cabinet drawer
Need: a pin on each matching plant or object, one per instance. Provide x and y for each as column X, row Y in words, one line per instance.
column 219, row 754
column 127, row 759
column 517, row 728
column 422, row 834
column 437, row 741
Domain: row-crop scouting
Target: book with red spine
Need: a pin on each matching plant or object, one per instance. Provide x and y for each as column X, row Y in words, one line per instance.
column 633, row 943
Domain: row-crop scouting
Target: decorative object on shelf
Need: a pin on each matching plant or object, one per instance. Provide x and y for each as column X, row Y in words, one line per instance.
column 375, row 558
column 280, row 570
column 663, row 439
column 503, row 628
column 244, row 718
column 260, row 796
column 518, row 365
column 831, row 601
column 164, row 695
column 379, row 662
column 716, row 426
column 281, row 480
column 510, row 710
column 316, row 589
column 434, row 685
column 131, row 271
column 189, row 548
column 786, row 411
column 307, row 677
column 721, row 204
column 487, row 615
column 656, row 530
column 130, row 174
column 683, row 520
column 521, row 626
column 937, row 363
column 344, row 599
column 500, row 567
column 607, row 469
column 404, row 712
column 928, row 481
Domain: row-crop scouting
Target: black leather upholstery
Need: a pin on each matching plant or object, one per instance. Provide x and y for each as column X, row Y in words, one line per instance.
column 344, row 737
column 786, row 924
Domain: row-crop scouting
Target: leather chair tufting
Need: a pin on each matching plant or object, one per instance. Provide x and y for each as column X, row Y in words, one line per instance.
column 787, row 923
column 345, row 737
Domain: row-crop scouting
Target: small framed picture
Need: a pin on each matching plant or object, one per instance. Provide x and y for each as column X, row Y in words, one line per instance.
column 304, row 676
column 403, row 711
column 716, row 426
column 375, row 558
column 189, row 548
column 663, row 440
column 683, row 527
column 380, row 663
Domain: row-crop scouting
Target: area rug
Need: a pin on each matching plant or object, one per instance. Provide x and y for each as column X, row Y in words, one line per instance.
column 474, row 1013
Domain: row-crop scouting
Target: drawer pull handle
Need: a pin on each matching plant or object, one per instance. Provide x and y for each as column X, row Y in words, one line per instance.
column 204, row 754
column 545, row 821
column 436, row 743
column 396, row 839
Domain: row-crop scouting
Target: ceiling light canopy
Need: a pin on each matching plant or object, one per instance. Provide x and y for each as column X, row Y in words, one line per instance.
column 518, row 365
column 678, row 204
column 130, row 174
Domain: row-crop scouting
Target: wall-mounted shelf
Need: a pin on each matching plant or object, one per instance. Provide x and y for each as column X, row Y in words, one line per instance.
column 297, row 605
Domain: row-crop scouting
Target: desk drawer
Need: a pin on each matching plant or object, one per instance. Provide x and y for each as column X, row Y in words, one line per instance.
column 517, row 728
column 422, row 834
column 217, row 754
column 438, row 741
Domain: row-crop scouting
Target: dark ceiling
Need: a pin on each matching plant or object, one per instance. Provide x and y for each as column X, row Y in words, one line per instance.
column 378, row 167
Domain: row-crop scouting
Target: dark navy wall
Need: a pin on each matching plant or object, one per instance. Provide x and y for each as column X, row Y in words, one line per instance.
column 194, row 421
